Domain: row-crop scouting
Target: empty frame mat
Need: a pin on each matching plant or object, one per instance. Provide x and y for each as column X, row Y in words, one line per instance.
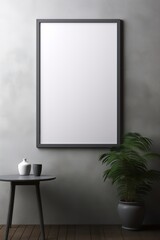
column 78, row 83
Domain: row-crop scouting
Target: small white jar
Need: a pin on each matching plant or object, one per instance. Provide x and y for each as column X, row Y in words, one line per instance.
column 24, row 167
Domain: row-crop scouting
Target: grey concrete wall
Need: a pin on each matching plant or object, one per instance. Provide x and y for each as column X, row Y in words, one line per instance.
column 79, row 194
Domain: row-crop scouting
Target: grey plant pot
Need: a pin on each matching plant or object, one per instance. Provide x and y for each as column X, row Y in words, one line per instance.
column 131, row 214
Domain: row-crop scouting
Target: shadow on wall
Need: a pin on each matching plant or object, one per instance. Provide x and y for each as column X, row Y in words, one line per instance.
column 73, row 203
column 153, row 210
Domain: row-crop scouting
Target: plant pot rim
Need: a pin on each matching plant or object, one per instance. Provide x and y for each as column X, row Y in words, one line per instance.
column 132, row 202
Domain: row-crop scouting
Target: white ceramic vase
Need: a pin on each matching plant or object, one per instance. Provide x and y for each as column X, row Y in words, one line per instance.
column 24, row 167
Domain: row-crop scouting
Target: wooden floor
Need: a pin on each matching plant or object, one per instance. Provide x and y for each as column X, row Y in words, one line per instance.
column 82, row 232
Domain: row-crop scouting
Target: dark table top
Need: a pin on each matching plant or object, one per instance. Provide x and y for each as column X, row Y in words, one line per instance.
column 29, row 178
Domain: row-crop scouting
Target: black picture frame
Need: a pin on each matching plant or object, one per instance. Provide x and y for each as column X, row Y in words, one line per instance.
column 44, row 124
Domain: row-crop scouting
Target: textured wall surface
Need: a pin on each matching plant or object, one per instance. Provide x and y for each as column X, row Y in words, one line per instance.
column 78, row 195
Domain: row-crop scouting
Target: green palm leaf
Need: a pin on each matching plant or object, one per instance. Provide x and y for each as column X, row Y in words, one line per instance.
column 127, row 167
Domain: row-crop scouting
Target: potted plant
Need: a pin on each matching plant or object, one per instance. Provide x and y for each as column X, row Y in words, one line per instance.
column 127, row 167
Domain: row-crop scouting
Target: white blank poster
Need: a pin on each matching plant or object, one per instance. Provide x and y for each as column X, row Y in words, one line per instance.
column 78, row 74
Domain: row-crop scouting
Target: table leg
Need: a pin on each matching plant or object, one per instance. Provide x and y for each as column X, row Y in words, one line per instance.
column 10, row 210
column 40, row 210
